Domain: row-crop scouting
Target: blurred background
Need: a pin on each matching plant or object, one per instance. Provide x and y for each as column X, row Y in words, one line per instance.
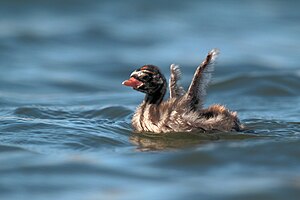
column 65, row 117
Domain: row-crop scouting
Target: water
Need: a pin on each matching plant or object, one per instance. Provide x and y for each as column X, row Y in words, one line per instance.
column 65, row 128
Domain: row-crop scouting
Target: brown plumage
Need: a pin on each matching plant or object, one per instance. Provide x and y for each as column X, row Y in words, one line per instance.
column 183, row 111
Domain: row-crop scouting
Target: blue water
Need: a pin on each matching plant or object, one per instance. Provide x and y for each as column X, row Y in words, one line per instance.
column 65, row 129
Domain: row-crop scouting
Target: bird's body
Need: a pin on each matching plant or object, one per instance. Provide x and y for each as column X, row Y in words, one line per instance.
column 173, row 116
column 183, row 111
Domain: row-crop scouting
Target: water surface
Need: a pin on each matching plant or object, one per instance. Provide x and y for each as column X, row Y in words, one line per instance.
column 65, row 129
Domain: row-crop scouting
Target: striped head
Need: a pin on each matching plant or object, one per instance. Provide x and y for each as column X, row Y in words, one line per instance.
column 147, row 79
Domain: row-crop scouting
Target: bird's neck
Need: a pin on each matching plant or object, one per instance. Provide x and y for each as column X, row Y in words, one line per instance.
column 158, row 96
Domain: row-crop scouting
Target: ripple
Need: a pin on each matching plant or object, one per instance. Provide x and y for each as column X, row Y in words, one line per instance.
column 110, row 113
column 276, row 128
column 5, row 149
column 41, row 113
column 41, row 129
column 261, row 85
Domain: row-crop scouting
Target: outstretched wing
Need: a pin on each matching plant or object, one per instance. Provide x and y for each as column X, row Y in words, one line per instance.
column 176, row 90
column 201, row 79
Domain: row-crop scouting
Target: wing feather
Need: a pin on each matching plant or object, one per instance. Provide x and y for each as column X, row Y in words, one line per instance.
column 176, row 90
column 202, row 78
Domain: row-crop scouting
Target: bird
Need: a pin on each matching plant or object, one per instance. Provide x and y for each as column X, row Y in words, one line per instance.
column 184, row 110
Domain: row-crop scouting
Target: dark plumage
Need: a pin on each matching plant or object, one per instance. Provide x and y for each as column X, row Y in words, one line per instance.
column 183, row 111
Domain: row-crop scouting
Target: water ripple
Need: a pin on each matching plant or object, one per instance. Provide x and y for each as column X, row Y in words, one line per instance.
column 261, row 85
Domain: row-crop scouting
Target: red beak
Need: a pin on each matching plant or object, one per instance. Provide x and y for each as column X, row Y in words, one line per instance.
column 132, row 82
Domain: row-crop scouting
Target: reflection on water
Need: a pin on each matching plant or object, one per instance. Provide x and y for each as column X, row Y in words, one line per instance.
column 173, row 141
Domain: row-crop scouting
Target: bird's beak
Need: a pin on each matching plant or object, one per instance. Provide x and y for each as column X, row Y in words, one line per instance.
column 132, row 82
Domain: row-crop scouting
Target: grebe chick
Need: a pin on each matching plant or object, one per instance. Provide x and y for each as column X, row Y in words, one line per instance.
column 183, row 111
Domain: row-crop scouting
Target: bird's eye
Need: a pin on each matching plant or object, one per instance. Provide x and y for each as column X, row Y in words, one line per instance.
column 145, row 77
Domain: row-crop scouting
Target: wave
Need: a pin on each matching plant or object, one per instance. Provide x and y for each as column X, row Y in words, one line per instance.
column 260, row 85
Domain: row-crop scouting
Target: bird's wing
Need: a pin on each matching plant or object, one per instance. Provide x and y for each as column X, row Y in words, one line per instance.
column 176, row 90
column 201, row 79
